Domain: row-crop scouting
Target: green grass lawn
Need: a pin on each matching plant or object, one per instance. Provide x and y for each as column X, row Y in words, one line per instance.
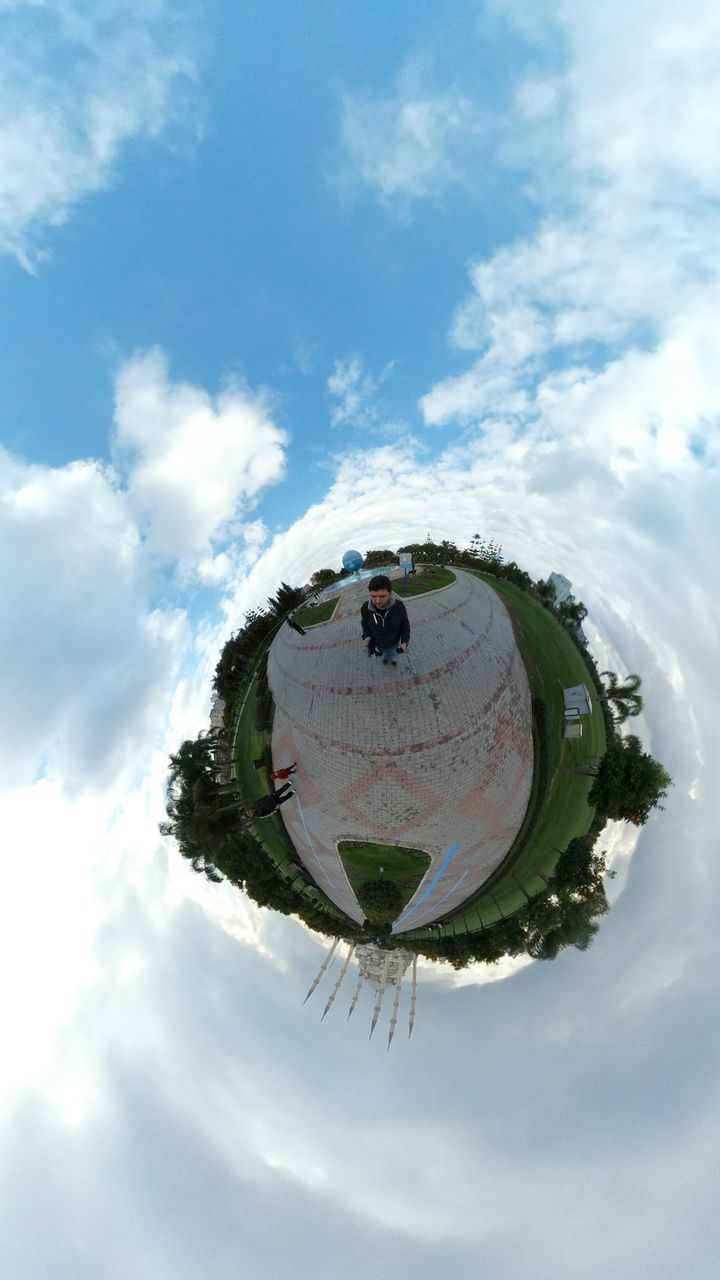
column 552, row 662
column 423, row 581
column 405, row 867
column 270, row 832
column 310, row 615
column 250, row 744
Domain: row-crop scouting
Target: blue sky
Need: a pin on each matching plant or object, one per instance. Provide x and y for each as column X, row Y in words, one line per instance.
column 279, row 280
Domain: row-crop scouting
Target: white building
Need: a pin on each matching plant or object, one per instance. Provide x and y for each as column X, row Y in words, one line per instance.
column 562, row 587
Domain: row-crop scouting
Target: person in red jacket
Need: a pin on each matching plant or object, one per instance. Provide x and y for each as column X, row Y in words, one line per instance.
column 281, row 775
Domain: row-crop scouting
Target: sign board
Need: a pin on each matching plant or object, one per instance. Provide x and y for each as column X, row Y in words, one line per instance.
column 405, row 558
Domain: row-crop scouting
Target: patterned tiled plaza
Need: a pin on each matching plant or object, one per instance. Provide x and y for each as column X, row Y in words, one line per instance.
column 434, row 754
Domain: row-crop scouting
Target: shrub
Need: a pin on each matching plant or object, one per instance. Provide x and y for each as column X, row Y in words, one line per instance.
column 381, row 900
column 264, row 708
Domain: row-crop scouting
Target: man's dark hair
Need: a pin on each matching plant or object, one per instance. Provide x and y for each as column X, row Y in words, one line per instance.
column 380, row 583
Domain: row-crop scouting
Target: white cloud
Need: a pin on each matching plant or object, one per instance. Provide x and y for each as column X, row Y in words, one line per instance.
column 621, row 295
column 79, row 83
column 354, row 396
column 194, row 461
column 625, row 250
column 650, row 120
column 352, row 390
column 412, row 145
column 86, row 661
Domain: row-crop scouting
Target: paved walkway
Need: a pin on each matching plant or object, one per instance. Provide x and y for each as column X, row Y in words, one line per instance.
column 434, row 754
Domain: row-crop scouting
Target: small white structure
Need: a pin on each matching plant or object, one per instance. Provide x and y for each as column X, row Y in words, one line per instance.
column 573, row 729
column 577, row 701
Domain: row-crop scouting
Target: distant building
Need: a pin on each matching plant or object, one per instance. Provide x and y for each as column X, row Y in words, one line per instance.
column 562, row 587
column 217, row 713
column 382, row 967
column 564, row 595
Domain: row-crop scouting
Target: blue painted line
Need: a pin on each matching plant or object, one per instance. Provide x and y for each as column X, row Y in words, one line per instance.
column 453, row 850
column 449, row 892
column 312, row 846
column 455, row 886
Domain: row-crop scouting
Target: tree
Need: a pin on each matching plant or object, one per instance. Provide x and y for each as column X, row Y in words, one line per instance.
column 629, row 783
column 518, row 576
column 377, row 559
column 285, row 599
column 323, row 578
column 493, row 553
column 625, row 697
column 579, row 870
column 547, row 592
column 381, row 900
column 572, row 613
column 542, row 915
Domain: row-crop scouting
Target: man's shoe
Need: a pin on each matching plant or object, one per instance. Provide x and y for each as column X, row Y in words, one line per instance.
column 393, row 662
column 385, row 662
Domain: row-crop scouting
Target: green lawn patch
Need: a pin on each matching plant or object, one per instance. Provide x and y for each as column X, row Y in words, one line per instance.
column 404, row 867
column 552, row 661
column 424, row 580
column 310, row 615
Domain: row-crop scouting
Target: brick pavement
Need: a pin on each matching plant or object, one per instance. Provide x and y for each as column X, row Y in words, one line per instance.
column 434, row 754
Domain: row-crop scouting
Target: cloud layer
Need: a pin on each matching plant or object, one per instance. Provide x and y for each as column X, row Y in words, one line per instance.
column 87, row 661
column 192, row 460
column 79, row 84
column 159, row 1055
column 414, row 144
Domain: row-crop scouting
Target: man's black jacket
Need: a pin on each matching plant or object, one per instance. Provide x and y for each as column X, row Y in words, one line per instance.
column 388, row 626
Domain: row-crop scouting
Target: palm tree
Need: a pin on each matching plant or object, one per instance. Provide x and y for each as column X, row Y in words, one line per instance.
column 625, row 697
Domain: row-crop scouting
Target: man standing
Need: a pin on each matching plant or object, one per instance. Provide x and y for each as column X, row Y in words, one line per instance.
column 266, row 805
column 385, row 623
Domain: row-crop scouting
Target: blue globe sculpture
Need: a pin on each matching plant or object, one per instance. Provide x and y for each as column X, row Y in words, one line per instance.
column 352, row 561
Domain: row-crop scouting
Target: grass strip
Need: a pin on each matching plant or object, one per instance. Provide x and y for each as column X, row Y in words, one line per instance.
column 312, row 614
column 559, row 810
column 424, row 580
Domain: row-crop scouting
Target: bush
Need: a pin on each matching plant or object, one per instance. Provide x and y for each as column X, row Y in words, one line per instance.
column 264, row 708
column 381, row 900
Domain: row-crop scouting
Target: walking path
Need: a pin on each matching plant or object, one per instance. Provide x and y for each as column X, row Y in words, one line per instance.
column 434, row 754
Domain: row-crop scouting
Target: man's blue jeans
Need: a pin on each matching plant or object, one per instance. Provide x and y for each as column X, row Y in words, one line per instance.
column 388, row 655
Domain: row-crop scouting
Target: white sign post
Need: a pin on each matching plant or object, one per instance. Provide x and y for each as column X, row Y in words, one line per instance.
column 406, row 560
